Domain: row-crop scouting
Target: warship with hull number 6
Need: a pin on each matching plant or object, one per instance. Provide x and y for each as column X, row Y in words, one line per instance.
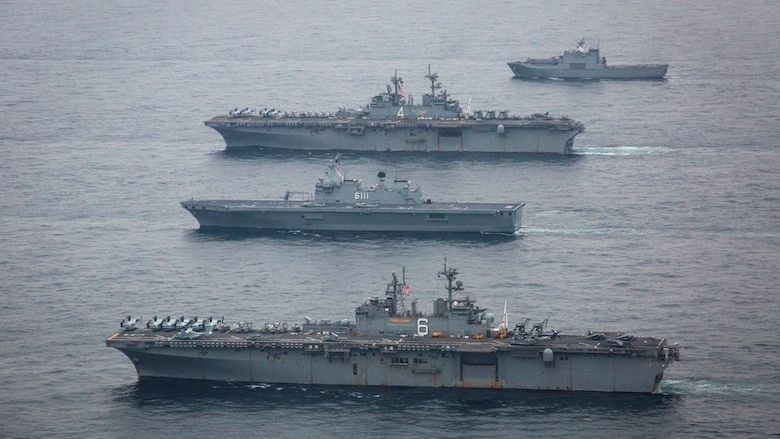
column 391, row 121
column 458, row 344
column 342, row 204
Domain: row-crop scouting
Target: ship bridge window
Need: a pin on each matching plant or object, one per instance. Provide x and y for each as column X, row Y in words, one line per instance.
column 577, row 65
column 403, row 361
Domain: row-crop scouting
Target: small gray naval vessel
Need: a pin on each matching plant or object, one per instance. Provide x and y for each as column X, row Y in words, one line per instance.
column 457, row 344
column 391, row 121
column 342, row 204
column 581, row 63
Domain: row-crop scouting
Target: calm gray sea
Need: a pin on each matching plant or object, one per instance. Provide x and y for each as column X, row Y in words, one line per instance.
column 665, row 219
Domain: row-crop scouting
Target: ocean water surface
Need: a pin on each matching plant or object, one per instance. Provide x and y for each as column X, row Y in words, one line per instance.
column 664, row 219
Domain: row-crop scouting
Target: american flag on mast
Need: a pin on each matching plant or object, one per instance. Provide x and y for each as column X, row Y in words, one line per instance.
column 399, row 83
column 338, row 166
column 406, row 290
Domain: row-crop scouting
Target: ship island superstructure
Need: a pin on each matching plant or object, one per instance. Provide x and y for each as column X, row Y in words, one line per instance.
column 458, row 344
column 391, row 121
column 343, row 204
column 582, row 63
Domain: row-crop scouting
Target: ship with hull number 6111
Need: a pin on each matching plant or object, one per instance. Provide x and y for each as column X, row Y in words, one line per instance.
column 347, row 205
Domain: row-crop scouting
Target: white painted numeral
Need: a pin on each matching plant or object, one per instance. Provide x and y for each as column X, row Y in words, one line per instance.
column 422, row 327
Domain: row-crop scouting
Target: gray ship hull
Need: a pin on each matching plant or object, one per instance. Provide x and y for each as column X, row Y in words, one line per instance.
column 458, row 344
column 528, row 135
column 392, row 121
column 642, row 71
column 288, row 215
column 575, row 363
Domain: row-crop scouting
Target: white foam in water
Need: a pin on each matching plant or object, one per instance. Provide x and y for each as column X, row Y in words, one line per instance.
column 620, row 150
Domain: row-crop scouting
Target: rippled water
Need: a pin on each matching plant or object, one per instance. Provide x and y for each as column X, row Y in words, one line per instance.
column 664, row 220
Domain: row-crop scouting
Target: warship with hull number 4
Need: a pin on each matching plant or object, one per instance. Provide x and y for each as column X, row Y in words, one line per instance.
column 391, row 121
column 458, row 344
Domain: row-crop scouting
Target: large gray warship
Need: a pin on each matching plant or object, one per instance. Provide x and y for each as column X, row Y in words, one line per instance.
column 342, row 204
column 391, row 121
column 582, row 63
column 458, row 344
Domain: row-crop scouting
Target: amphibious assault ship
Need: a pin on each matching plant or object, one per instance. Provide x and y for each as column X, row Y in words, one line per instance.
column 341, row 204
column 458, row 344
column 581, row 63
column 391, row 121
